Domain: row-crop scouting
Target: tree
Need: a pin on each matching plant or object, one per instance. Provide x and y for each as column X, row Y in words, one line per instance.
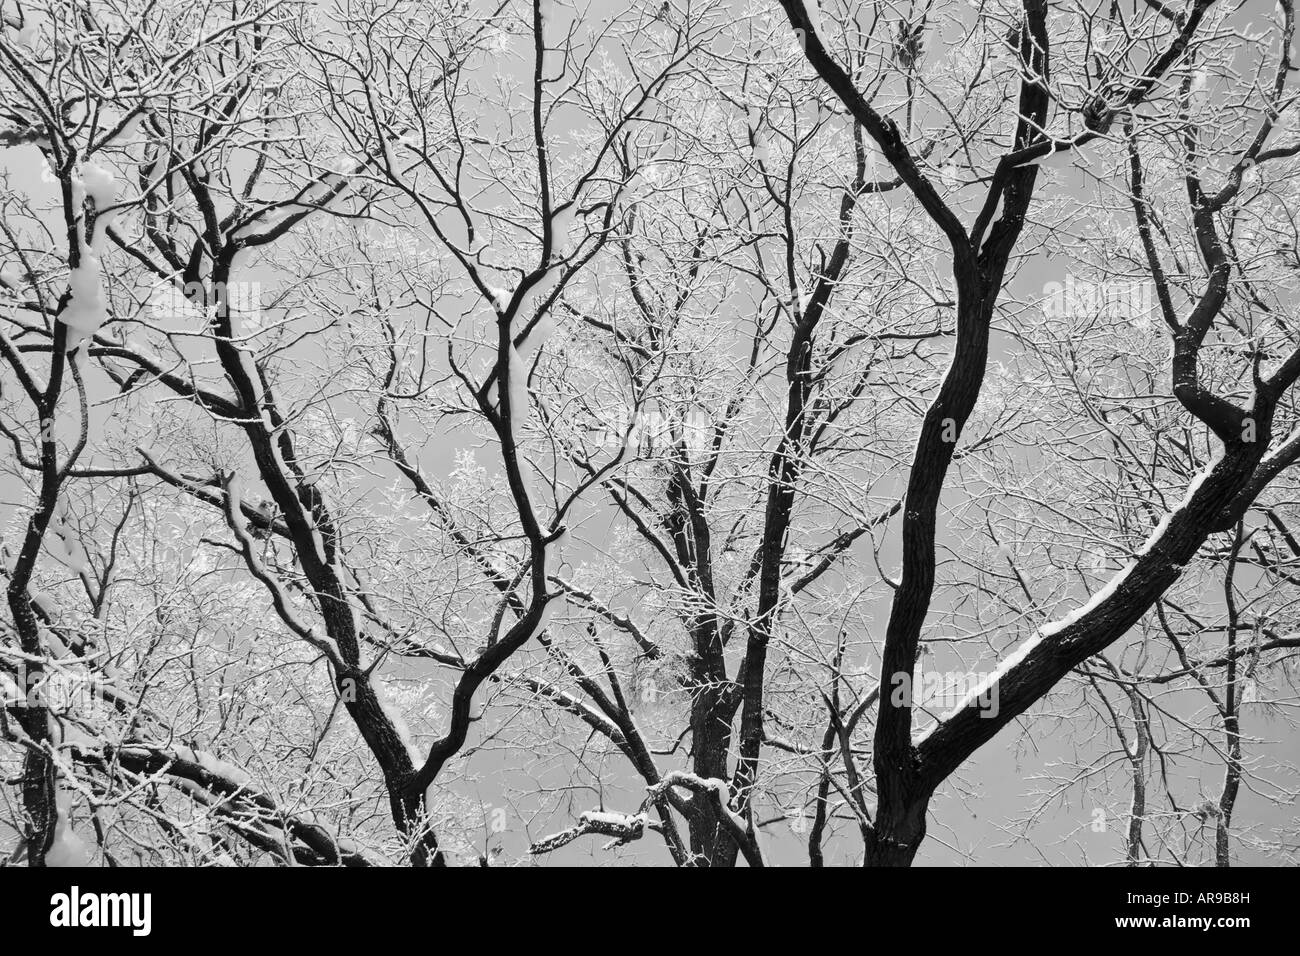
column 448, row 431
column 907, row 772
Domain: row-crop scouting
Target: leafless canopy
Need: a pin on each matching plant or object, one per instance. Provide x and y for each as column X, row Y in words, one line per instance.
column 691, row 431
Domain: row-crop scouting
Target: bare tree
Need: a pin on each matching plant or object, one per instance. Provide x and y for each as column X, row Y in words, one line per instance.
column 444, row 432
column 908, row 771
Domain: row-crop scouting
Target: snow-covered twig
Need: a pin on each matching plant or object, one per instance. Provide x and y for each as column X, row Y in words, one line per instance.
column 623, row 827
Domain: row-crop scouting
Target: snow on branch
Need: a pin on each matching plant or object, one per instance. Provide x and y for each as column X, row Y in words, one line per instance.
column 718, row 794
column 623, row 827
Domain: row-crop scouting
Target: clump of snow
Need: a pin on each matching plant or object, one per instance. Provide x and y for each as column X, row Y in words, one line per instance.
column 395, row 718
column 53, row 643
column 129, row 133
column 68, row 848
column 606, row 818
column 64, row 544
column 11, row 275
column 518, row 389
column 46, row 603
column 100, row 188
column 541, row 331
column 87, row 307
column 564, row 228
column 9, row 692
column 1250, row 691
column 544, row 620
column 215, row 766
column 1199, row 89
column 555, row 550
column 23, row 27
column 540, row 290
column 648, row 176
